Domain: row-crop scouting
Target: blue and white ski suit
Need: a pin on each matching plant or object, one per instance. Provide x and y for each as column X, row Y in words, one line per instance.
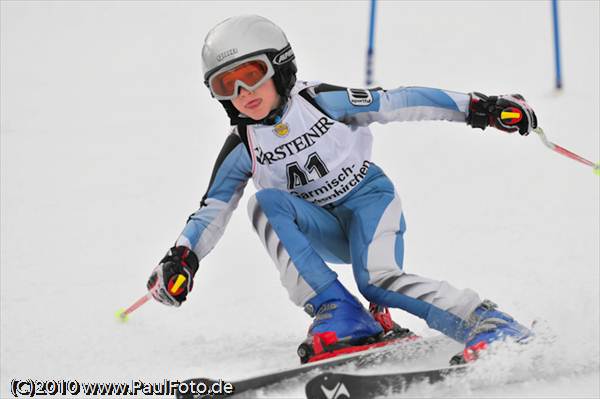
column 321, row 198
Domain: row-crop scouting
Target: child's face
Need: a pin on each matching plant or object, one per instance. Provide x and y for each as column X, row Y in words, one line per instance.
column 259, row 103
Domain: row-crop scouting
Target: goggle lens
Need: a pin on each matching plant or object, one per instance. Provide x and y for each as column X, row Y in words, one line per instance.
column 250, row 73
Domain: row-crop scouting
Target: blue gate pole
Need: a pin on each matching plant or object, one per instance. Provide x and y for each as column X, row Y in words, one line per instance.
column 371, row 48
column 556, row 44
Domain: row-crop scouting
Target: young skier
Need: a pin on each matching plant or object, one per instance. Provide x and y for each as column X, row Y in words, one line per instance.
column 320, row 198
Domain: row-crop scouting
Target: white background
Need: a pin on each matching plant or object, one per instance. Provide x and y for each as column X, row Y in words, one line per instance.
column 108, row 138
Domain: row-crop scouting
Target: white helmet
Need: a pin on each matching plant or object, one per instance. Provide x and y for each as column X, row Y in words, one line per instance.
column 246, row 36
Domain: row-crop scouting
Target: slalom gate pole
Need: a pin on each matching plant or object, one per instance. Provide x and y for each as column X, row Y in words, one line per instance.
column 558, row 83
column 565, row 152
column 371, row 46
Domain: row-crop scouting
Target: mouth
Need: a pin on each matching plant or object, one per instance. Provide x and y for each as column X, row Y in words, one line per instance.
column 253, row 104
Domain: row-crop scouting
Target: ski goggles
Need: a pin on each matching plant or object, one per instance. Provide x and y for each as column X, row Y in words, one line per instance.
column 248, row 73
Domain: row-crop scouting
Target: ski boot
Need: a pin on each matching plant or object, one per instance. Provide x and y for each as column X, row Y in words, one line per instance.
column 488, row 325
column 341, row 326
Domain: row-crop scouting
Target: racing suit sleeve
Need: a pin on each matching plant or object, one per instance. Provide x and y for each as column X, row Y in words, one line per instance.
column 230, row 174
column 361, row 107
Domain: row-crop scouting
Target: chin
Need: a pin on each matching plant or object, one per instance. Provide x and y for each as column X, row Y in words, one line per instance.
column 257, row 116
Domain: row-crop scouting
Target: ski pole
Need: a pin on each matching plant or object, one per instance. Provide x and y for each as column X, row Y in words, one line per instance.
column 565, row 152
column 123, row 314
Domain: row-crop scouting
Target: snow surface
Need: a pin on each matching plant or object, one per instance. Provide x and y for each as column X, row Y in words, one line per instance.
column 108, row 137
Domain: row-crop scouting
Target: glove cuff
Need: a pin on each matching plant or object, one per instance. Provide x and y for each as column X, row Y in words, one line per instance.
column 480, row 109
column 185, row 255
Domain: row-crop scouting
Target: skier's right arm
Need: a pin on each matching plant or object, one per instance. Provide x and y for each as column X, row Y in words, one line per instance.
column 172, row 279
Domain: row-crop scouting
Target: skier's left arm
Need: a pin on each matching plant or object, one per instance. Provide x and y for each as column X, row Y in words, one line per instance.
column 362, row 107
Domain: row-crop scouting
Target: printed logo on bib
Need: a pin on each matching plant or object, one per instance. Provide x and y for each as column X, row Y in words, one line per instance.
column 360, row 97
column 295, row 146
column 281, row 129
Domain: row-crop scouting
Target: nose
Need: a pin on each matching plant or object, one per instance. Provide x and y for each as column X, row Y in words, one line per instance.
column 243, row 92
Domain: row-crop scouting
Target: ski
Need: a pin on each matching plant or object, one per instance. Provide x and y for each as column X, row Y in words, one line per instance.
column 396, row 350
column 353, row 386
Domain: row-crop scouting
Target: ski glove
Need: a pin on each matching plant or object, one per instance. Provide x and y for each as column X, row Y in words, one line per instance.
column 173, row 278
column 508, row 113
